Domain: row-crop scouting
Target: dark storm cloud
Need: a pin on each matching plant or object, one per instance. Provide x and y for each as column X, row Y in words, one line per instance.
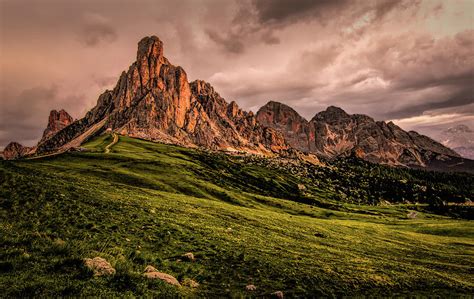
column 460, row 99
column 260, row 21
column 231, row 43
column 285, row 11
column 423, row 63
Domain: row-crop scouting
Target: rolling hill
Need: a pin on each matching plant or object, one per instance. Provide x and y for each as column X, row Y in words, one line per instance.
column 305, row 228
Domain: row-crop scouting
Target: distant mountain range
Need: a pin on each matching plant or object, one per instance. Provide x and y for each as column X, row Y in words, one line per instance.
column 153, row 100
column 460, row 138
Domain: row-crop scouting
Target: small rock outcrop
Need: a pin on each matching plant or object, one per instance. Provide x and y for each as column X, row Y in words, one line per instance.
column 250, row 288
column 277, row 295
column 14, row 150
column 99, row 266
column 152, row 273
column 56, row 122
column 189, row 256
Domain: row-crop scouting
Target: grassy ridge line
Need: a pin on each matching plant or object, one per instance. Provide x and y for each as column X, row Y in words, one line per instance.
column 144, row 204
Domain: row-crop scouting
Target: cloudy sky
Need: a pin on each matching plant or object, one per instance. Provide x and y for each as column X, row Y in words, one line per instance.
column 409, row 61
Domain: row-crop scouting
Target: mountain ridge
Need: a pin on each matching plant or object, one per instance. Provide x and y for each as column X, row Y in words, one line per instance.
column 333, row 132
column 153, row 100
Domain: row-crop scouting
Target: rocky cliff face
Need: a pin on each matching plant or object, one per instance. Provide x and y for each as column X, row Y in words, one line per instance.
column 283, row 118
column 14, row 150
column 333, row 133
column 154, row 100
column 56, row 122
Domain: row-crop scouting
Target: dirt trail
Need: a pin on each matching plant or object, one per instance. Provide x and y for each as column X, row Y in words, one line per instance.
column 44, row 156
column 116, row 138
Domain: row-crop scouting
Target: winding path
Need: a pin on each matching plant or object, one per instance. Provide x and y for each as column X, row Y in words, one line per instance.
column 116, row 138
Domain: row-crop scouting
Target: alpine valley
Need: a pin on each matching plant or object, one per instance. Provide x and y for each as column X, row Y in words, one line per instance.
column 165, row 189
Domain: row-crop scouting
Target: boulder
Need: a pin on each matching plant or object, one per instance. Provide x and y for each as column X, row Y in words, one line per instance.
column 152, row 273
column 250, row 288
column 277, row 295
column 189, row 256
column 99, row 266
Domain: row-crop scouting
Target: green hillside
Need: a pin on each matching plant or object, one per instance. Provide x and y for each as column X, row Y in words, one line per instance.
column 302, row 229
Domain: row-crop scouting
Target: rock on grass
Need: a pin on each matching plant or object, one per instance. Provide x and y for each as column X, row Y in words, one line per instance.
column 152, row 273
column 278, row 295
column 189, row 256
column 250, row 288
column 99, row 266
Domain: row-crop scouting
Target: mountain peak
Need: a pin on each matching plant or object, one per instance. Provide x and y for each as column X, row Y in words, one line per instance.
column 286, row 120
column 335, row 110
column 57, row 121
column 275, row 104
column 150, row 46
column 279, row 110
column 201, row 87
column 331, row 113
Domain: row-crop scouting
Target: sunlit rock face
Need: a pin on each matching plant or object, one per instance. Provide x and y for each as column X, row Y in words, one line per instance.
column 283, row 118
column 333, row 132
column 153, row 100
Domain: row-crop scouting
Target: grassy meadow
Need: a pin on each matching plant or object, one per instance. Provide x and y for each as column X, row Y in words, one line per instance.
column 145, row 203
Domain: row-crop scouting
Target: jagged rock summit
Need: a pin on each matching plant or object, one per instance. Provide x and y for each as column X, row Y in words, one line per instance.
column 15, row 150
column 333, row 132
column 56, row 122
column 153, row 100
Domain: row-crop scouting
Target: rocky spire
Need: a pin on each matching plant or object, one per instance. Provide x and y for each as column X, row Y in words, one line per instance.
column 149, row 59
column 154, row 100
column 56, row 122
